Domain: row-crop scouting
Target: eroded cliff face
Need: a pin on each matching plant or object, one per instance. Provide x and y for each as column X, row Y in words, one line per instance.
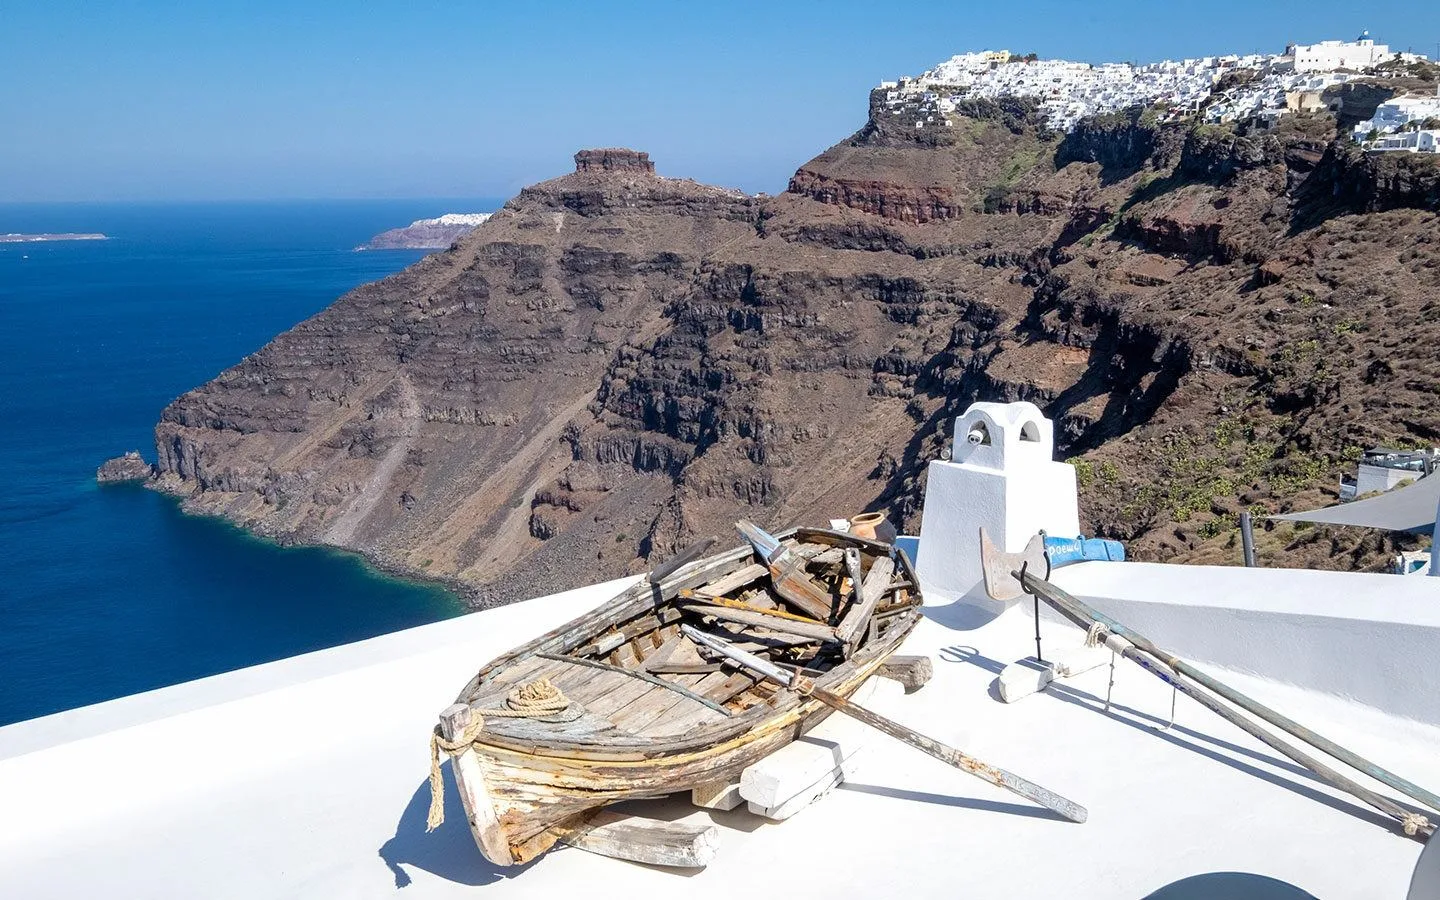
column 617, row 363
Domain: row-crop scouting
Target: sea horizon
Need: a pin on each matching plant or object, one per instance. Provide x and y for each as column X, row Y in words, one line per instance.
column 113, row 589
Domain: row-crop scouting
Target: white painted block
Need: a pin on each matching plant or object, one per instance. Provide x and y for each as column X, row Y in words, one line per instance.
column 798, row 774
column 1023, row 678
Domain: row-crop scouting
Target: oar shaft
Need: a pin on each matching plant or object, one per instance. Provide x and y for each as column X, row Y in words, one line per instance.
column 960, row 760
column 1162, row 666
column 1280, row 721
column 943, row 752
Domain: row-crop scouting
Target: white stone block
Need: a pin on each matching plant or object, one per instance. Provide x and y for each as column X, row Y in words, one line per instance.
column 1025, row 677
column 1021, row 679
column 803, row 771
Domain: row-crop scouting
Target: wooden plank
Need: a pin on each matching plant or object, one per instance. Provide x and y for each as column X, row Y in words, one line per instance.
column 599, row 685
column 797, row 588
column 492, row 694
column 871, row 590
column 683, row 668
column 650, row 708
column 815, row 632
column 518, row 671
column 761, row 599
column 663, row 653
column 829, row 557
column 680, row 718
column 643, row 676
column 734, row 580
column 628, row 632
column 474, row 791
column 589, row 728
column 770, row 607
column 731, row 686
column 609, row 703
column 625, row 657
column 787, row 572
column 642, row 840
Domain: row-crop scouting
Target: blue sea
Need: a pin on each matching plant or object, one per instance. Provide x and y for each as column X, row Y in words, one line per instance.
column 105, row 591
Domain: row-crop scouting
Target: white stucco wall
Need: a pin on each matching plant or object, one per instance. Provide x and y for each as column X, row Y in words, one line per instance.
column 1004, row 480
column 1365, row 637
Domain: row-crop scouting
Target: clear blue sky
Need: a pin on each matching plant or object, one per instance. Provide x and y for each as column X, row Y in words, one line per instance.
column 201, row 100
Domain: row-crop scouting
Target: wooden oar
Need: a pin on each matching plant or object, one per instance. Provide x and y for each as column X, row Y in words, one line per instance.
column 943, row 752
column 1175, row 672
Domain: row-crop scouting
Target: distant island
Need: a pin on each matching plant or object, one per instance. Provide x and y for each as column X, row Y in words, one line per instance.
column 14, row 238
column 427, row 234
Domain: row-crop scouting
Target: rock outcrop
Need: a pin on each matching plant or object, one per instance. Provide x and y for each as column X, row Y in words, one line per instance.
column 619, row 363
column 129, row 467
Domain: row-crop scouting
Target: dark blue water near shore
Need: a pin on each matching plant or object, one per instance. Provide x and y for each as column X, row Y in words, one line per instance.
column 109, row 591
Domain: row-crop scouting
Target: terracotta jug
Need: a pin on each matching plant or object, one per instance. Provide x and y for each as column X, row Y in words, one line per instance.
column 872, row 526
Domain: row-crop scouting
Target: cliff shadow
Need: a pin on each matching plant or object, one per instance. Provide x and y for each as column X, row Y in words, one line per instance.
column 448, row 852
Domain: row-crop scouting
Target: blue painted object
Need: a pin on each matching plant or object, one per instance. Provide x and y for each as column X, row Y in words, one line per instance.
column 1064, row 551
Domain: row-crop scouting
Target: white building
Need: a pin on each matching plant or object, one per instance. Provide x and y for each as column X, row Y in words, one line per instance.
column 1382, row 468
column 1070, row 91
column 1362, row 53
column 1394, row 114
column 1424, row 141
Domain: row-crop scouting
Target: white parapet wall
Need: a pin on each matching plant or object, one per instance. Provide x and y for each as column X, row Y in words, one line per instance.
column 1002, row 477
column 1361, row 636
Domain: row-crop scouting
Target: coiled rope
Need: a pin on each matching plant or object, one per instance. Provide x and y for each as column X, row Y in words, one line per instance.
column 537, row 699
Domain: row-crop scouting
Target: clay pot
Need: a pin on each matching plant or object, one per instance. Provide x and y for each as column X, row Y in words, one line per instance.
column 872, row 526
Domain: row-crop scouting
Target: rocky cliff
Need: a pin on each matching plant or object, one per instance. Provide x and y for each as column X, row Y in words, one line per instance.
column 618, row 363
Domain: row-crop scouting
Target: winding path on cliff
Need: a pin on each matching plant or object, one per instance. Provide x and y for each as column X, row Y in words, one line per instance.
column 342, row 533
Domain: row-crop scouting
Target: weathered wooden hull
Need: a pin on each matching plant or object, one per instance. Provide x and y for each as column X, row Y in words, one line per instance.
column 533, row 797
column 525, row 783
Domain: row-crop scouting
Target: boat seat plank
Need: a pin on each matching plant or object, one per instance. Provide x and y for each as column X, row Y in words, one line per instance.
column 635, row 717
column 623, row 695
column 681, row 718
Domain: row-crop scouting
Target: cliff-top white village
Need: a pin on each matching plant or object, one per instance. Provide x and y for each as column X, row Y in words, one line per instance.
column 1260, row 87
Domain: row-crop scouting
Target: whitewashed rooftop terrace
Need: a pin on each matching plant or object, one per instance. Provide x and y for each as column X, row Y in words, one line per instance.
column 307, row 777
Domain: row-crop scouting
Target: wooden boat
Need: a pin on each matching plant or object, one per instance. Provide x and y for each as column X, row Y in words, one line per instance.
column 645, row 710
